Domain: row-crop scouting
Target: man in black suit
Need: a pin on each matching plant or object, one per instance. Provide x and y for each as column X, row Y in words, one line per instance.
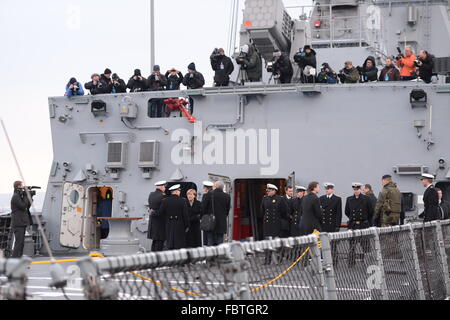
column 157, row 223
column 311, row 210
column 20, row 217
column 218, row 203
column 331, row 209
column 174, row 210
column 430, row 199
column 285, row 225
column 444, row 206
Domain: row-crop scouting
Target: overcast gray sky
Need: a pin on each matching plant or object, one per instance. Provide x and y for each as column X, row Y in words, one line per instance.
column 44, row 43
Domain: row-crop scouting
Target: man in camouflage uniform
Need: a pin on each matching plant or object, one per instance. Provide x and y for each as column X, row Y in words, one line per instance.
column 389, row 204
column 388, row 211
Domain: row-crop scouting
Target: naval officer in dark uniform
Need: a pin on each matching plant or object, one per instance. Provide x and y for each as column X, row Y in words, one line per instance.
column 175, row 211
column 430, row 199
column 273, row 208
column 359, row 210
column 295, row 212
column 157, row 223
column 331, row 209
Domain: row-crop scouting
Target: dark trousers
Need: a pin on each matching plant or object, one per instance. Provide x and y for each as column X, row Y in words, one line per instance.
column 157, row 245
column 190, row 108
column 19, row 241
column 157, row 108
column 213, row 239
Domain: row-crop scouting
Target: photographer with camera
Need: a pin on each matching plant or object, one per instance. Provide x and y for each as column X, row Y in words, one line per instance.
column 97, row 86
column 156, row 81
column 74, row 88
column 250, row 63
column 349, row 74
column 20, row 217
column 327, row 75
column 174, row 79
column 223, row 67
column 193, row 80
column 137, row 83
column 307, row 62
column 281, row 67
column 425, row 63
column 368, row 72
column 119, row 86
column 106, row 79
column 406, row 64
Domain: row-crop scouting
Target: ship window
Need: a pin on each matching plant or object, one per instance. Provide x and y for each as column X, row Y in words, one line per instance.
column 74, row 196
column 157, row 109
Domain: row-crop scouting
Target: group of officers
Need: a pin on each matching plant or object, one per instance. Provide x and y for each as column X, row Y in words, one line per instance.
column 175, row 221
column 307, row 213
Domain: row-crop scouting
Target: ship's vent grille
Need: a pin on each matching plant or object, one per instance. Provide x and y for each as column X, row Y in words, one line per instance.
column 410, row 169
column 116, row 155
column 115, row 152
column 148, row 155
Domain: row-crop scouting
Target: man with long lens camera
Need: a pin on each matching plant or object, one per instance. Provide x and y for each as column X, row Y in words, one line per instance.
column 20, row 216
column 281, row 67
column 251, row 64
column 223, row 67
column 307, row 62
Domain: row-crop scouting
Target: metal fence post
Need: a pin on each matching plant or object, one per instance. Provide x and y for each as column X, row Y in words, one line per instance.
column 316, row 259
column 379, row 255
column 443, row 255
column 235, row 271
column 416, row 263
column 328, row 267
column 94, row 287
column 16, row 272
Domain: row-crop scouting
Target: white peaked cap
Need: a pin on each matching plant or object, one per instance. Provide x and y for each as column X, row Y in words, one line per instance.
column 427, row 176
column 160, row 183
column 300, row 188
column 272, row 187
column 208, row 184
column 175, row 187
column 328, row 185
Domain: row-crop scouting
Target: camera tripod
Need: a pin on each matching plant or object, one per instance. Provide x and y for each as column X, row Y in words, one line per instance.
column 242, row 77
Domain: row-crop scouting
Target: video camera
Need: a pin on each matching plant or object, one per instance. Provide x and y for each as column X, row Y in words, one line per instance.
column 241, row 58
column 32, row 190
column 298, row 57
column 400, row 54
column 270, row 67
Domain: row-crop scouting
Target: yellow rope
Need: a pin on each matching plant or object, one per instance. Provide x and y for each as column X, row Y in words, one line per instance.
column 282, row 274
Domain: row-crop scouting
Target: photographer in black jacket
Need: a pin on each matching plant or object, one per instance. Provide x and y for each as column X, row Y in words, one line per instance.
column 425, row 63
column 223, row 67
column 20, row 217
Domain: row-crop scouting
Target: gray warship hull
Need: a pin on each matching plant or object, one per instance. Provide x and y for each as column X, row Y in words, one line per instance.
column 341, row 133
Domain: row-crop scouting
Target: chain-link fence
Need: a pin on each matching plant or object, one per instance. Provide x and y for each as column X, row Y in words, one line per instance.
column 285, row 269
column 203, row 273
column 398, row 263
column 13, row 278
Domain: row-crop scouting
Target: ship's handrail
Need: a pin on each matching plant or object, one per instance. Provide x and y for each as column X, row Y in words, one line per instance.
column 264, row 89
column 372, row 264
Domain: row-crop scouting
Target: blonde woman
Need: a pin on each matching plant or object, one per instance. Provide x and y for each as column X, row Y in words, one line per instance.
column 193, row 236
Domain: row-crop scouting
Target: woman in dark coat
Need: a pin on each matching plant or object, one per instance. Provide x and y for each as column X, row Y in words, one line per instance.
column 194, row 236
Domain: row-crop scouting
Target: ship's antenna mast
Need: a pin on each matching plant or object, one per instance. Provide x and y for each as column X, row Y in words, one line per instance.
column 234, row 12
column 152, row 33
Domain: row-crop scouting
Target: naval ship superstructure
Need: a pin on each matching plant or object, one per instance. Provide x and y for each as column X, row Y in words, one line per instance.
column 259, row 133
